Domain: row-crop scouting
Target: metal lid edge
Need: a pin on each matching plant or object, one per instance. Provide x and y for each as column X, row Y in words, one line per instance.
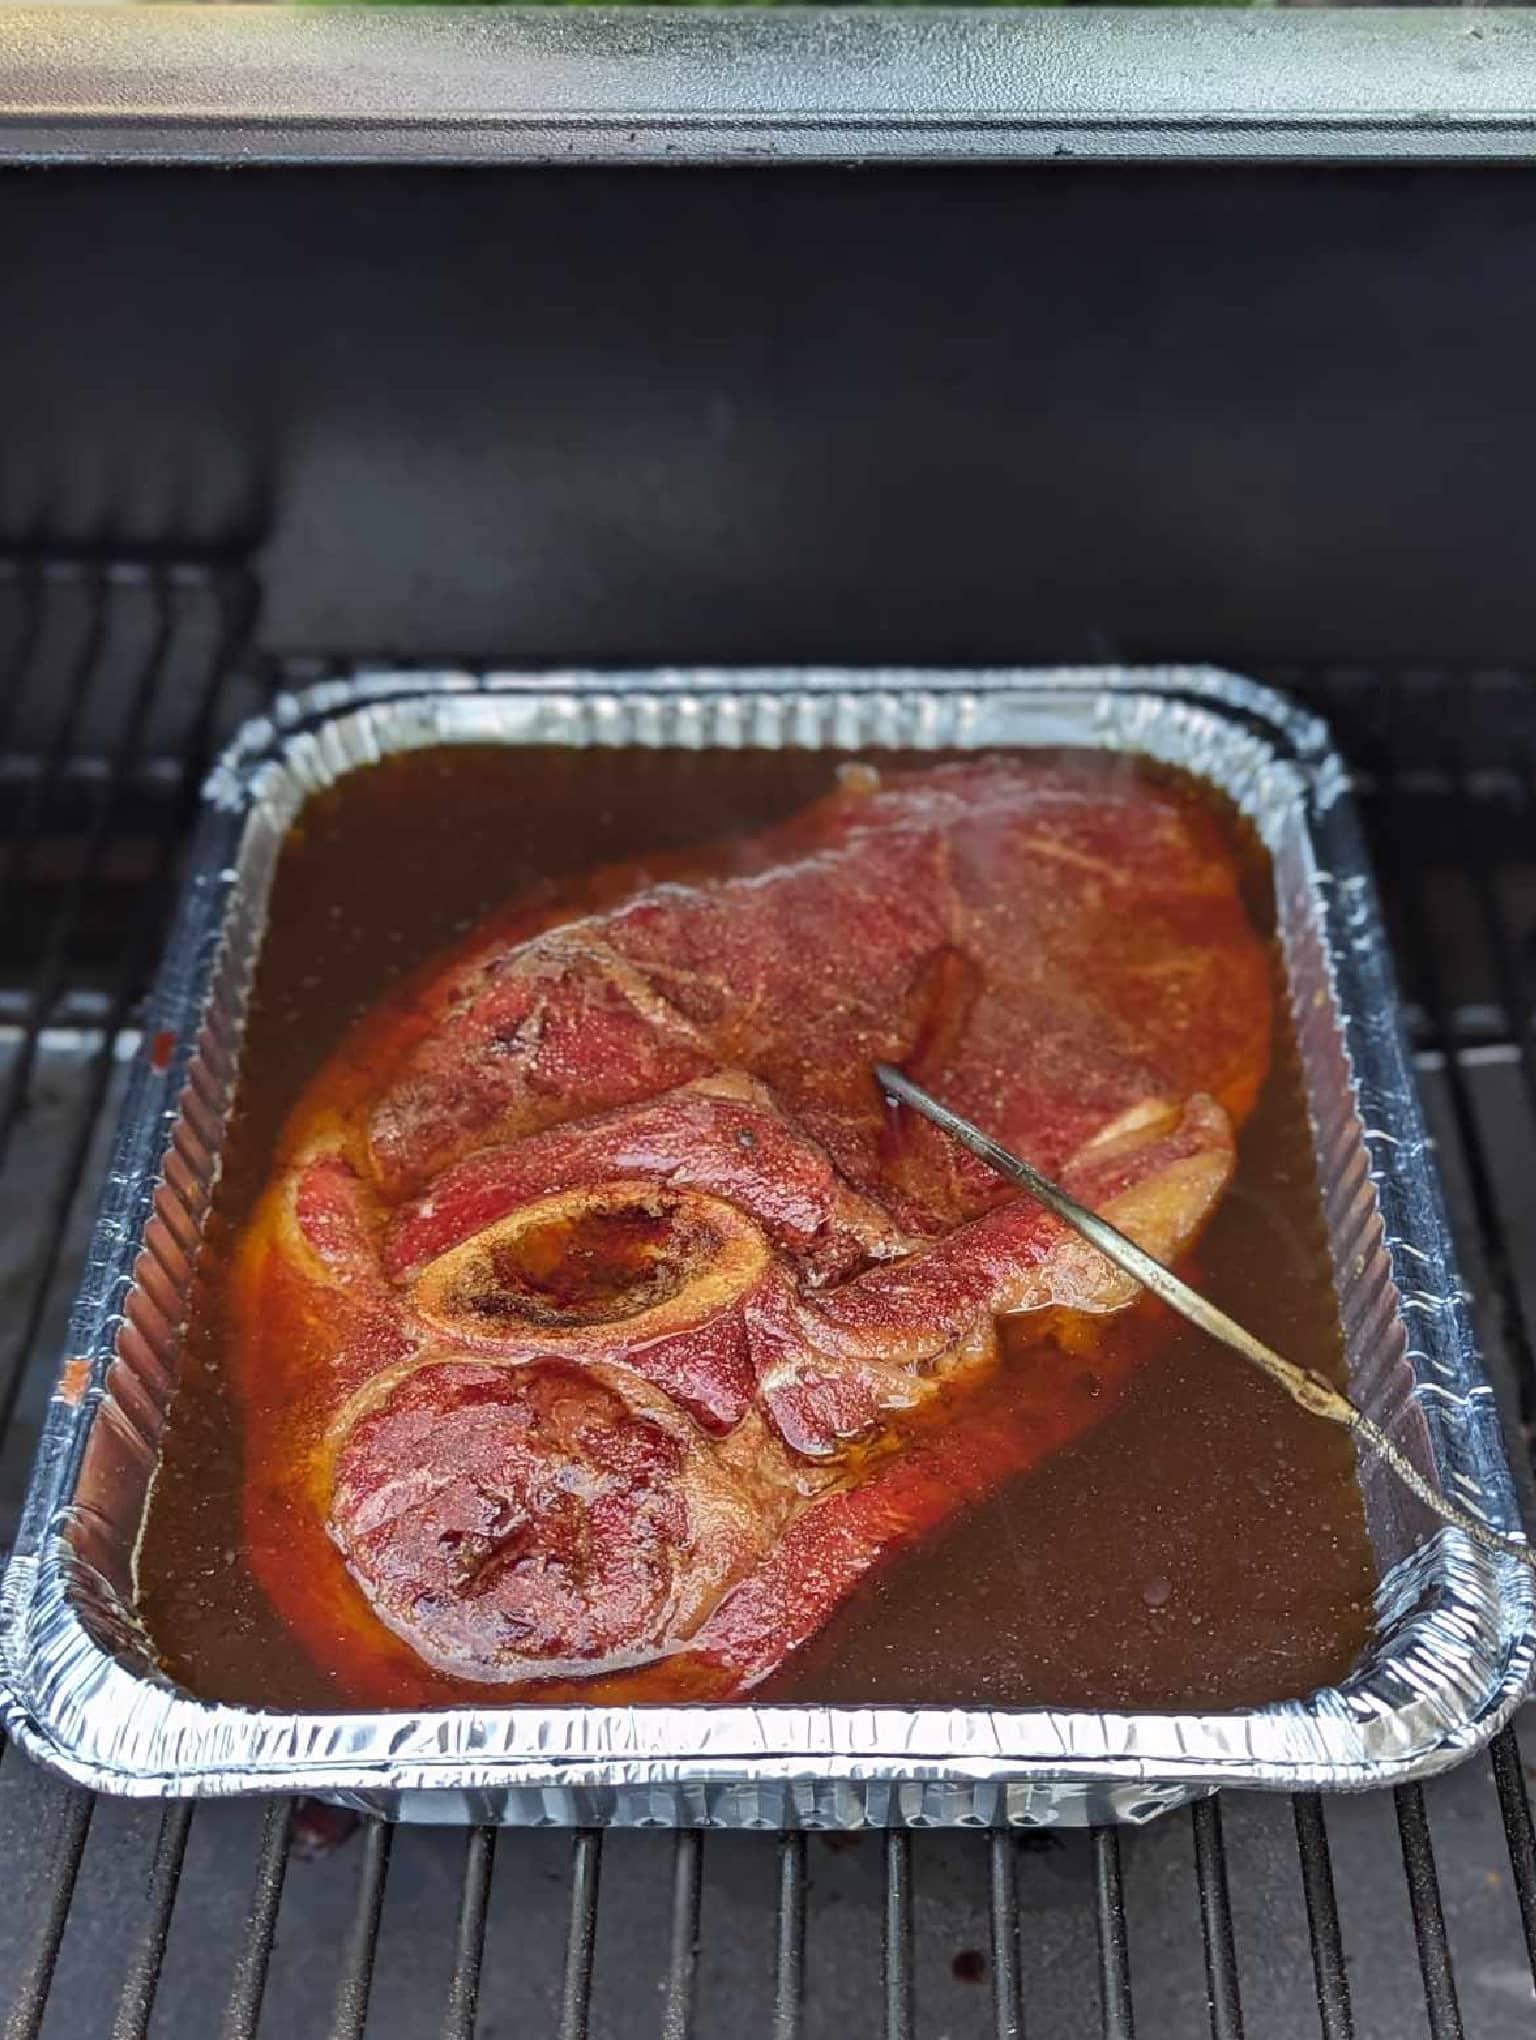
column 267, row 85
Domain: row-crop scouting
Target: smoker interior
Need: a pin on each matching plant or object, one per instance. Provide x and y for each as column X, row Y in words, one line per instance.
column 257, row 426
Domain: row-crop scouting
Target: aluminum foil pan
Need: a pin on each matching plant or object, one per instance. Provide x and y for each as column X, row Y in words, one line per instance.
column 1453, row 1627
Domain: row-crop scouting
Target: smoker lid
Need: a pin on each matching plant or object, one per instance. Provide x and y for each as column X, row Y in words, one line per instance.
column 234, row 85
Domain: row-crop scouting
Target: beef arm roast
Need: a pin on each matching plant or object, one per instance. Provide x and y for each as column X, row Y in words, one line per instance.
column 612, row 1328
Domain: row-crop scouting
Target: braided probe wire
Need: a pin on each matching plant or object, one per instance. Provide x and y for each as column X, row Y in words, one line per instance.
column 1303, row 1385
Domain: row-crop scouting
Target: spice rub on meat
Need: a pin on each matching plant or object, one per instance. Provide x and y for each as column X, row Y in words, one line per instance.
column 615, row 1327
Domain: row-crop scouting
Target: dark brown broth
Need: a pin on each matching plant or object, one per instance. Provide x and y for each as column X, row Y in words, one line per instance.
column 1205, row 1544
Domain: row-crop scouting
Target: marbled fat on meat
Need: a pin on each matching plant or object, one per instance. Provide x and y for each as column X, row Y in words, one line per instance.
column 604, row 1323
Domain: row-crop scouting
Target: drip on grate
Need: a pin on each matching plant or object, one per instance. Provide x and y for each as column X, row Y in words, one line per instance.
column 1390, row 1915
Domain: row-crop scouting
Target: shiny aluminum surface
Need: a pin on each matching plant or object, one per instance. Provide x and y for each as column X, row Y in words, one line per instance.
column 243, row 85
column 1454, row 1627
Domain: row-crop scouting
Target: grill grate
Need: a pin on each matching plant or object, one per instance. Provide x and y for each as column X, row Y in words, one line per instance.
column 116, row 680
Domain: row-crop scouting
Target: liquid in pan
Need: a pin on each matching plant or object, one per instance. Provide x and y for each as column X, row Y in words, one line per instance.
column 598, row 1328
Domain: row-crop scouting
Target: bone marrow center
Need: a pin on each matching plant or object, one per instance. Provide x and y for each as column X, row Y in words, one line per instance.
column 627, row 1256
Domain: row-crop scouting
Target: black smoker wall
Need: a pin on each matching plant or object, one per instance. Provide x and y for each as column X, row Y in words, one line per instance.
column 887, row 414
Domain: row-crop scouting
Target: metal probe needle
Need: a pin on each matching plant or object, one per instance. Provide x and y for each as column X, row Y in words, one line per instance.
column 1311, row 1390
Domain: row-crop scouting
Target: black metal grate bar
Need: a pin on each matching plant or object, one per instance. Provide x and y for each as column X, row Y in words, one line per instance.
column 581, row 1935
column 350, row 2016
column 1515, row 1809
column 1003, row 1922
column 142, row 1979
column 463, row 2008
column 243, row 2011
column 1221, row 1979
column 1428, row 1915
column 66, row 1848
column 1334, row 2012
column 1114, row 1943
column 683, row 1960
column 899, row 1992
column 789, row 1940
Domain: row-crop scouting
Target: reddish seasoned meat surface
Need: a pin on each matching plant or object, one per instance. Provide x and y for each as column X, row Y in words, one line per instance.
column 602, row 1326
